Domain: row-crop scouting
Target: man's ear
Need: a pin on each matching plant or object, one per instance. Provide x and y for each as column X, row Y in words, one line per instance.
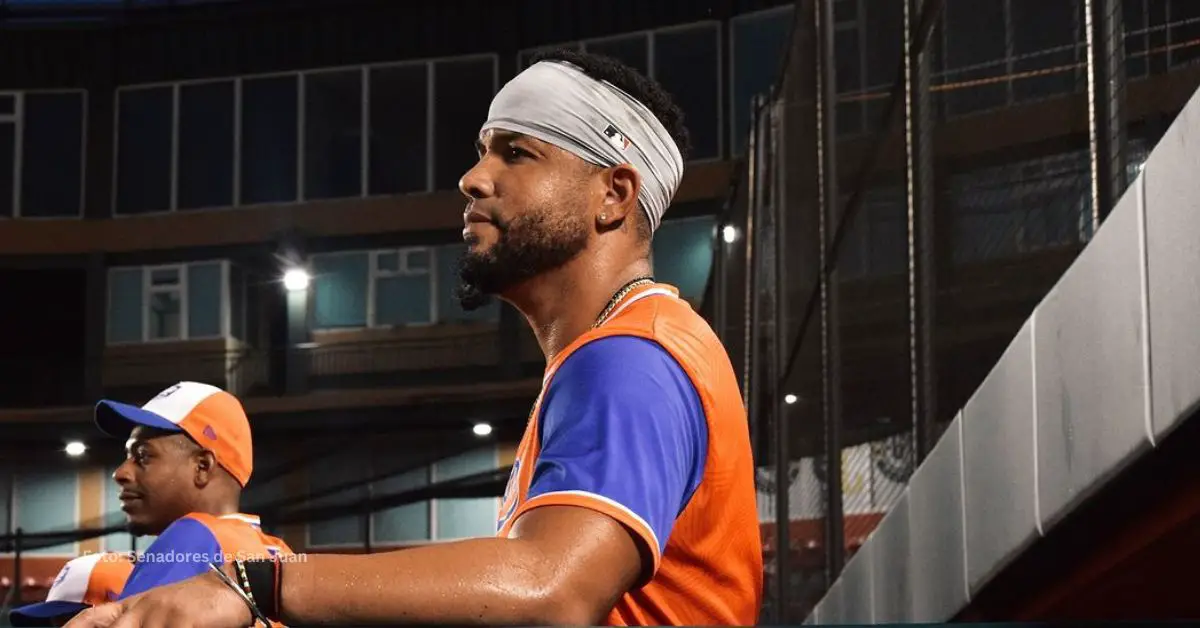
column 206, row 466
column 621, row 196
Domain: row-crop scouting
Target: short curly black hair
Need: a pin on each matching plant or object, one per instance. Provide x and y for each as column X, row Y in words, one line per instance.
column 644, row 89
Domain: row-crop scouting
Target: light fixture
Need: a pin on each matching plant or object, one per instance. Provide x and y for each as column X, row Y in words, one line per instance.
column 789, row 399
column 729, row 233
column 296, row 279
column 482, row 429
column 75, row 448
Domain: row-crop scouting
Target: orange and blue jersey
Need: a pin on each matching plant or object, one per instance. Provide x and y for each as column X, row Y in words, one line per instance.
column 641, row 419
column 191, row 543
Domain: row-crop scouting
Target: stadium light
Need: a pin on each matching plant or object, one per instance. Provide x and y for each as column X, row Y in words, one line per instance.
column 482, row 429
column 789, row 399
column 296, row 279
column 729, row 233
column 75, row 448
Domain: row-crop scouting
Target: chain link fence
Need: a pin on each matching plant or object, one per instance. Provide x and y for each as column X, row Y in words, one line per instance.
column 972, row 149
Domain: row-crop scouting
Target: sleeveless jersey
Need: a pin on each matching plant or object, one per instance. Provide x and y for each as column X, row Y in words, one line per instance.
column 710, row 569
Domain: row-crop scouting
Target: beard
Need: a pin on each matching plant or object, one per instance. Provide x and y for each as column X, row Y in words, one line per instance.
column 528, row 246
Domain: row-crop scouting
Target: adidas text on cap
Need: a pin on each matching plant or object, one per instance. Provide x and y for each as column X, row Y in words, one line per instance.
column 82, row 582
column 210, row 416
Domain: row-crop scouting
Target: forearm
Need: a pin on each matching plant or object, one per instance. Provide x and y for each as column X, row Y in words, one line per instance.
column 478, row 581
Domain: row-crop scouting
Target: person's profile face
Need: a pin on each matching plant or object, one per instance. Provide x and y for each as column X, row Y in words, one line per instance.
column 529, row 212
column 155, row 480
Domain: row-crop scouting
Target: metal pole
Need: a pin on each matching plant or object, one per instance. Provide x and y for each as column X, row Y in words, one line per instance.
column 1106, row 126
column 783, row 457
column 720, row 250
column 16, row 597
column 922, row 282
column 748, row 281
column 831, row 356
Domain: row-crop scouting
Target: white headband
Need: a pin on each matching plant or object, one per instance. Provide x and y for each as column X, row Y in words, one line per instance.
column 559, row 104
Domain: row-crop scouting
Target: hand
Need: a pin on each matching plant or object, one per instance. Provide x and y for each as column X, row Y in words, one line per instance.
column 199, row 602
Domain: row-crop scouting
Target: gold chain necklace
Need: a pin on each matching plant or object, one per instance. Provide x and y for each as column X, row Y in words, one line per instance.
column 618, row 297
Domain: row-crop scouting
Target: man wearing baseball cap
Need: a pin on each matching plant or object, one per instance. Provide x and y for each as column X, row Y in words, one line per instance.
column 82, row 583
column 189, row 457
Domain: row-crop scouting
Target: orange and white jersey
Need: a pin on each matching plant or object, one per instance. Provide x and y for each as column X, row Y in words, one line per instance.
column 641, row 419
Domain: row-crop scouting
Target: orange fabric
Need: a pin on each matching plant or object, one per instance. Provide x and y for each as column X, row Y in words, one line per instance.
column 108, row 578
column 240, row 540
column 712, row 570
column 219, row 424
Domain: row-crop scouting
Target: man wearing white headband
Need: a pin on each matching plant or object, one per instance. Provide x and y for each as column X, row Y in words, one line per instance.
column 631, row 500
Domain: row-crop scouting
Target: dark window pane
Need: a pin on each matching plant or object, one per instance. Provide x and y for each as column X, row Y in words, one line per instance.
column 205, row 305
column 759, row 43
column 632, row 50
column 1044, row 40
column 206, row 145
column 8, row 104
column 237, row 303
column 849, row 80
column 144, row 150
column 526, row 56
column 399, row 124
column 52, row 161
column 884, row 23
column 8, row 147
column 269, row 142
column 463, row 92
column 687, row 65
column 1185, row 31
column 975, row 39
column 333, row 134
column 1135, row 38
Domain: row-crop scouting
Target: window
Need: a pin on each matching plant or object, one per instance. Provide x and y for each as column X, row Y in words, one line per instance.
column 52, row 155
column 144, row 148
column 448, row 308
column 8, row 165
column 270, row 139
column 758, row 50
column 164, row 304
column 1043, row 37
column 471, row 517
column 400, row 151
column 975, row 37
column 401, row 524
column 41, row 154
column 340, row 289
column 632, row 49
column 48, row 501
column 463, row 91
column 341, row 469
column 526, row 56
column 333, row 134
column 683, row 252
column 206, row 137
column 402, row 287
column 176, row 302
column 687, row 62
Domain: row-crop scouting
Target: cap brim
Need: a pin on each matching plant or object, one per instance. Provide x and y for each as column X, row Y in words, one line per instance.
column 118, row 419
column 40, row 613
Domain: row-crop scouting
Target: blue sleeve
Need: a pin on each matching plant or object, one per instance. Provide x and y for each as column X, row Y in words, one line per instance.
column 623, row 429
column 183, row 550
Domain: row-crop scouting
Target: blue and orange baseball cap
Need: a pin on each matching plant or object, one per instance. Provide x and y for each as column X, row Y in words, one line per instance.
column 210, row 416
column 82, row 583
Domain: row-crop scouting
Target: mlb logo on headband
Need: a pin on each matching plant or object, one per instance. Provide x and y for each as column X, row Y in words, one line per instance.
column 616, row 138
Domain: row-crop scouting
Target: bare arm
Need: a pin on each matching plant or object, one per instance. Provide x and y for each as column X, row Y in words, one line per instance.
column 563, row 565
